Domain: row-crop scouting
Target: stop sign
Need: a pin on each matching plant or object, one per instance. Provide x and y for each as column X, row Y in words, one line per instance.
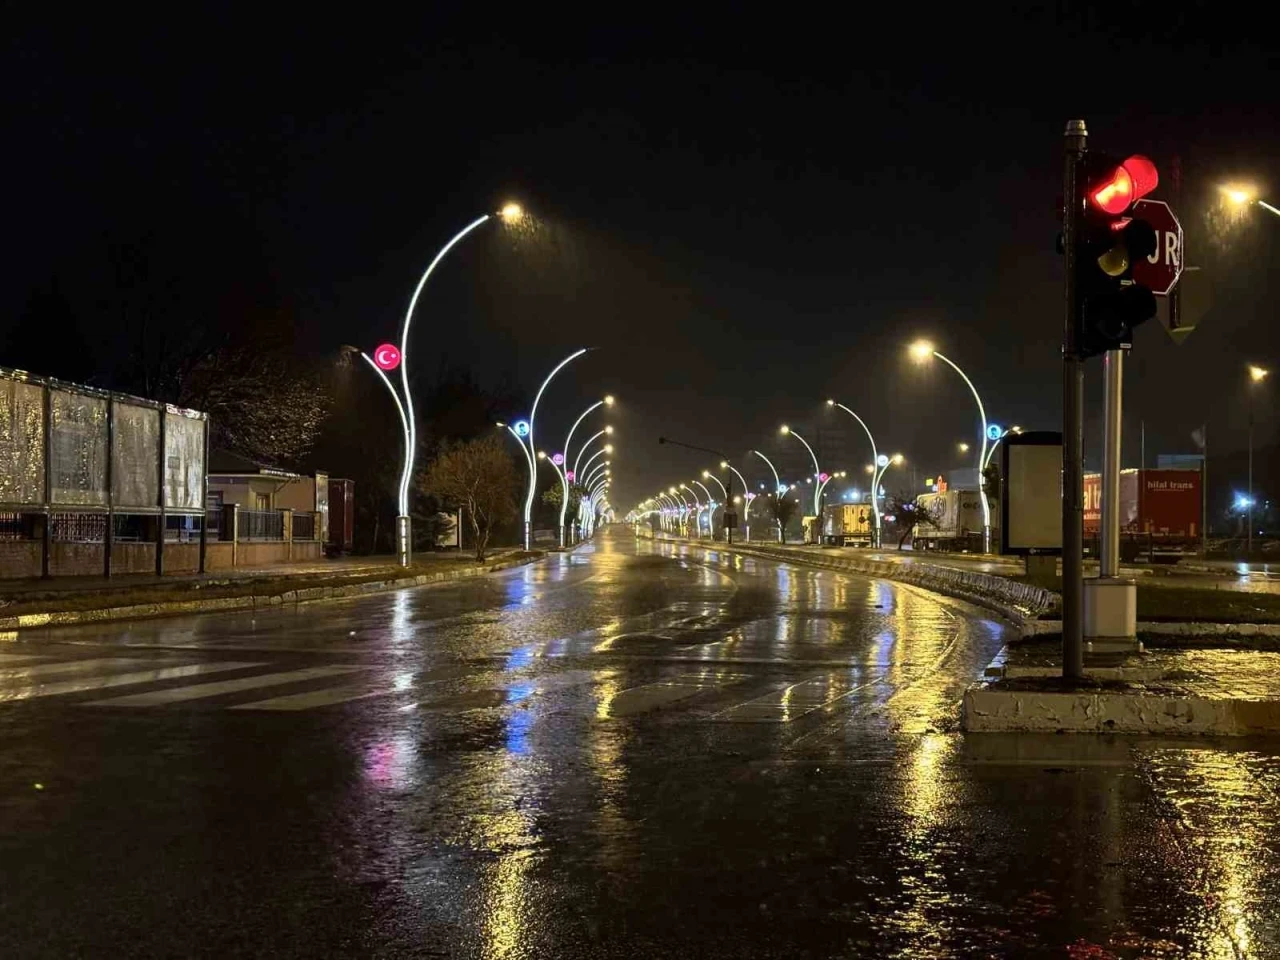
column 1159, row 272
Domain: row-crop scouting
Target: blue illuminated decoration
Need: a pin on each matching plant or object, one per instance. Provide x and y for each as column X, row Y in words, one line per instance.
column 521, row 428
column 882, row 460
column 995, row 431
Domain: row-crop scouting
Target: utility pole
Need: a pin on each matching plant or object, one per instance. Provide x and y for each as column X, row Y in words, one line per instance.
column 1075, row 142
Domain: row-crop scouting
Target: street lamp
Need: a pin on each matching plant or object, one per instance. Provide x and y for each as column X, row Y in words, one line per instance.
column 962, row 447
column 748, row 496
column 999, row 435
column 708, row 475
column 606, row 432
column 1256, row 376
column 711, row 510
column 568, row 446
column 875, row 497
column 922, row 351
column 1242, row 196
column 777, row 483
column 527, row 438
column 817, row 471
column 697, row 511
column 388, row 357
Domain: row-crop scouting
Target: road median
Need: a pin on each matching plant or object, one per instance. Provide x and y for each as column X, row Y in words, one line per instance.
column 1019, row 603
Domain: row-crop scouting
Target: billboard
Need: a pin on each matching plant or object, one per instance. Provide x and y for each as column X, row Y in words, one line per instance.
column 21, row 442
column 63, row 445
column 1031, row 493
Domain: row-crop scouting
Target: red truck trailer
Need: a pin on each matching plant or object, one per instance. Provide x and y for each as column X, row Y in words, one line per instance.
column 1160, row 512
column 341, row 517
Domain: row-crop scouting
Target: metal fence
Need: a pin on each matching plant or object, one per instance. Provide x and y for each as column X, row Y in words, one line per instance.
column 259, row 525
column 305, row 526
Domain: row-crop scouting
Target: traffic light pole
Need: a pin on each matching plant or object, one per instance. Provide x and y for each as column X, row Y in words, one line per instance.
column 1075, row 140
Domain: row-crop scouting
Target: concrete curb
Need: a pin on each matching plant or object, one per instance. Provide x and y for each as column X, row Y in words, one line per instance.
column 1019, row 603
column 991, row 710
column 251, row 602
column 1162, row 628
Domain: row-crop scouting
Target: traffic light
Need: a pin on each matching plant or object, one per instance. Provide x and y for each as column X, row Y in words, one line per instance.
column 1109, row 241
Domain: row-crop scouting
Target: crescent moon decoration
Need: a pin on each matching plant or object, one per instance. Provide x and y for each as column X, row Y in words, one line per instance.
column 557, row 458
column 387, row 356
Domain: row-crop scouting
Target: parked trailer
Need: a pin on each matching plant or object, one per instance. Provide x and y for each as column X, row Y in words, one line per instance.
column 847, row 524
column 1160, row 512
column 957, row 521
column 341, row 517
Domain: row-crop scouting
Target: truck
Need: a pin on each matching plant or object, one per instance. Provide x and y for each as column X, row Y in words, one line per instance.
column 1161, row 515
column 847, row 524
column 341, row 517
column 956, row 525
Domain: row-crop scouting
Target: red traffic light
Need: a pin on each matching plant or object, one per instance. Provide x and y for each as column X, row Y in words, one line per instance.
column 1130, row 181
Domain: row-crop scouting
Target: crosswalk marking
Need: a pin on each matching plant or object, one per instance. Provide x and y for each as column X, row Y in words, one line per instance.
column 67, row 666
column 325, row 697
column 119, row 680
column 200, row 690
column 10, row 658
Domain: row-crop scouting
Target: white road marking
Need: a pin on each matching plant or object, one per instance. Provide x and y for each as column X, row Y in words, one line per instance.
column 314, row 698
column 201, row 690
column 119, row 680
column 19, row 674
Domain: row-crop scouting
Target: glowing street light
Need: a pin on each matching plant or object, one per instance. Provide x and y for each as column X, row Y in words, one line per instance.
column 1243, row 196
column 748, row 496
column 922, row 351
column 528, row 439
column 711, row 509
column 817, row 471
column 778, row 489
column 1256, row 376
column 962, row 447
column 569, row 475
column 875, row 497
column 697, row 510
column 387, row 358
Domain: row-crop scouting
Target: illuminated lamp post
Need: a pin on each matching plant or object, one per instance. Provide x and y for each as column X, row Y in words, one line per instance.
column 708, row 475
column 922, row 351
column 528, row 439
column 778, row 488
column 711, row 509
column 817, row 471
column 569, row 476
column 389, row 357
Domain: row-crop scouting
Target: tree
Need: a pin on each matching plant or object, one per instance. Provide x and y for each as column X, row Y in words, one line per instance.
column 478, row 476
column 907, row 515
column 781, row 510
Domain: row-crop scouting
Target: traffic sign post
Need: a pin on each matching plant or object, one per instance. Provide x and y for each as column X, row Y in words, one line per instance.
column 1159, row 272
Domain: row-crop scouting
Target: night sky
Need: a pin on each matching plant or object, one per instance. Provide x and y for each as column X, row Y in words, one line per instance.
column 744, row 216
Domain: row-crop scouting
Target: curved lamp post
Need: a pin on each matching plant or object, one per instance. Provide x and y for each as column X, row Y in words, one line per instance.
column 747, row 495
column 697, row 510
column 817, row 471
column 999, row 435
column 922, row 350
column 567, row 476
column 711, row 510
column 389, row 358
column 528, row 439
column 607, row 431
column 684, row 510
column 875, row 456
column 777, row 483
column 708, row 475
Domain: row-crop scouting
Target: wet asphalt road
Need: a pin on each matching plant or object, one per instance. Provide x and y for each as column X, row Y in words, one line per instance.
column 636, row 750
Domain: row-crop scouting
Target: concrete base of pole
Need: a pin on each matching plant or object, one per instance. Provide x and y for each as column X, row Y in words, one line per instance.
column 404, row 540
column 1111, row 615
